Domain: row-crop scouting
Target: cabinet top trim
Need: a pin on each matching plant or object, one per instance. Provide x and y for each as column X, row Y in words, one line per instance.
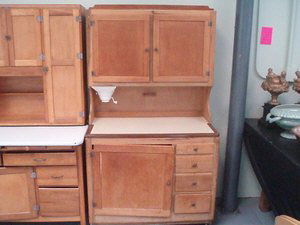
column 77, row 6
column 163, row 7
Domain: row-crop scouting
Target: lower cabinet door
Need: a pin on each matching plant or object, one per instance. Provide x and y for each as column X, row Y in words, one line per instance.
column 59, row 202
column 17, row 194
column 132, row 180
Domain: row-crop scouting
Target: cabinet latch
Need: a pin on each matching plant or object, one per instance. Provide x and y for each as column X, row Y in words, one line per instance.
column 40, row 18
column 79, row 19
column 33, row 175
column 210, row 23
column 36, row 208
column 208, row 73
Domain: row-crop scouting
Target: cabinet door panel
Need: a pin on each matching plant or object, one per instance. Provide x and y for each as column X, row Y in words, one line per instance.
column 4, row 56
column 182, row 47
column 133, row 180
column 120, row 47
column 65, row 76
column 25, row 30
column 17, row 194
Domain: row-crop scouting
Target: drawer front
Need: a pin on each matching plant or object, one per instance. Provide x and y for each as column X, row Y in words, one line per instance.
column 193, row 182
column 59, row 202
column 57, row 176
column 192, row 203
column 36, row 148
column 201, row 148
column 194, row 163
column 39, row 159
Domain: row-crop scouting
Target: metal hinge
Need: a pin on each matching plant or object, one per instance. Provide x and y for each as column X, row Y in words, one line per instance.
column 80, row 55
column 33, row 175
column 94, row 204
column 92, row 154
column 82, row 114
column 92, row 23
column 79, row 19
column 42, row 57
column 93, row 73
column 36, row 208
column 210, row 23
column 40, row 18
column 208, row 73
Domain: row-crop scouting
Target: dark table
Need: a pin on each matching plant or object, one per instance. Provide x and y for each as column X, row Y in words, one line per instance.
column 276, row 163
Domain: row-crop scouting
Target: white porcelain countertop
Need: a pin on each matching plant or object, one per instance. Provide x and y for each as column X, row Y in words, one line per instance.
column 151, row 125
column 42, row 136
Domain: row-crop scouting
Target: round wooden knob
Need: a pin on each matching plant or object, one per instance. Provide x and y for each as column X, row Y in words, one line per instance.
column 193, row 205
column 195, row 165
column 195, row 149
column 194, row 184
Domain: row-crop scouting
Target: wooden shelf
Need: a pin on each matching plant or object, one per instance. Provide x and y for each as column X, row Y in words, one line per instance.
column 153, row 84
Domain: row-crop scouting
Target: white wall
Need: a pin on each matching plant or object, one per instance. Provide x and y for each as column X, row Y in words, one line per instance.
column 223, row 66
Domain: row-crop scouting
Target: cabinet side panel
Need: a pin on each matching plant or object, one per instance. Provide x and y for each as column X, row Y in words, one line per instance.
column 3, row 43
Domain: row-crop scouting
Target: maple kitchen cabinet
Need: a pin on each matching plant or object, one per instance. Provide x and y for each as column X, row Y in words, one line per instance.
column 41, row 65
column 151, row 44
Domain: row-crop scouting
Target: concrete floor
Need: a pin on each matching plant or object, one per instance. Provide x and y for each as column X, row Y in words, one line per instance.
column 248, row 213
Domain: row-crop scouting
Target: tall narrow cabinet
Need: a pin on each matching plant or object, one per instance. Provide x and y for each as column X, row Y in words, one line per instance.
column 41, row 65
column 152, row 157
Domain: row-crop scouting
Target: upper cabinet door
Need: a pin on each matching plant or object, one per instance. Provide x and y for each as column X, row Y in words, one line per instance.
column 120, row 46
column 17, row 194
column 132, row 180
column 3, row 39
column 64, row 59
column 24, row 31
column 183, row 46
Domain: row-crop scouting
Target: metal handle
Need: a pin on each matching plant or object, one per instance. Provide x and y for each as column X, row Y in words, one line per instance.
column 272, row 120
column 39, row 160
column 195, row 165
column 57, row 177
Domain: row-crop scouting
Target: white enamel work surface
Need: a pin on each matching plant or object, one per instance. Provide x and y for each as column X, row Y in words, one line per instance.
column 42, row 136
column 151, row 125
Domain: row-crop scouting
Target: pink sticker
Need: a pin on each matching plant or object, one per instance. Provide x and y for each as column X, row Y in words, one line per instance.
column 266, row 35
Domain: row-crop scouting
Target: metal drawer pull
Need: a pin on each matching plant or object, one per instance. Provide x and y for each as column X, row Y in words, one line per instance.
column 195, row 149
column 195, row 165
column 194, row 184
column 39, row 159
column 193, row 205
column 57, row 177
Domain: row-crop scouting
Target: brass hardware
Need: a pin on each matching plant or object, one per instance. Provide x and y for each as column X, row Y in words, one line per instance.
column 8, row 37
column 194, row 184
column 195, row 165
column 193, row 205
column 195, row 149
column 57, row 177
column 39, row 160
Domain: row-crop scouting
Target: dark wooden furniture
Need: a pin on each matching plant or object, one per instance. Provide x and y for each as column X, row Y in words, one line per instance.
column 276, row 162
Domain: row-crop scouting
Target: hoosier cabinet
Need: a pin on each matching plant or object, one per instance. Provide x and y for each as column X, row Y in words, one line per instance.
column 151, row 151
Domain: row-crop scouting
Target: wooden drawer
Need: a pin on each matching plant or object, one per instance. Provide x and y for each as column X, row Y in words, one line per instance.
column 192, row 203
column 193, row 182
column 37, row 148
column 194, row 163
column 39, row 159
column 199, row 148
column 59, row 202
column 57, row 176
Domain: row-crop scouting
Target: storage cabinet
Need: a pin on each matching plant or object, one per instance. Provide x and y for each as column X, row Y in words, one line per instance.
column 41, row 64
column 41, row 184
column 142, row 44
